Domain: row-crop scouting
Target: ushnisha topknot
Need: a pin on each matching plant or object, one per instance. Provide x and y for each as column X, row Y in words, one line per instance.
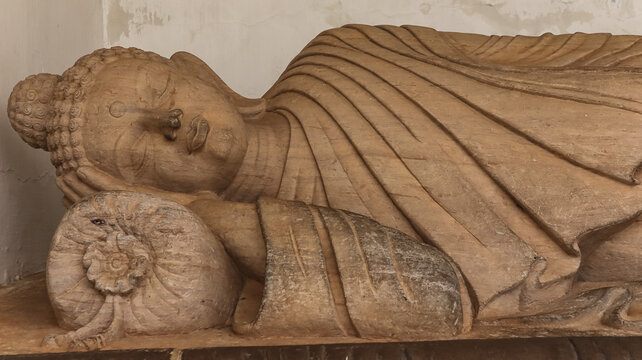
column 46, row 110
column 30, row 108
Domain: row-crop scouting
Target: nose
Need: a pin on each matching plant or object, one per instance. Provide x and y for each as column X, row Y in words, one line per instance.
column 167, row 121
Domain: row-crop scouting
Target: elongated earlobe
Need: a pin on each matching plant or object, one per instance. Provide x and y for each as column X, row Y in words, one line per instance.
column 249, row 108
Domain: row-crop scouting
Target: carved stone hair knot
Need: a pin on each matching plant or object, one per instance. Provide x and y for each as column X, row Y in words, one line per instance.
column 31, row 108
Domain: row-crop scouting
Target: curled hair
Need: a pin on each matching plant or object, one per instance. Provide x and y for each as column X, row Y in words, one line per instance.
column 47, row 110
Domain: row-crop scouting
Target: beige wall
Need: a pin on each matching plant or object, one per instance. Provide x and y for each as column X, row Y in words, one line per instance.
column 35, row 36
column 247, row 42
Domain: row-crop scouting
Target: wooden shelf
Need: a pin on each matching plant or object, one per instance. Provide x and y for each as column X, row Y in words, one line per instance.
column 26, row 317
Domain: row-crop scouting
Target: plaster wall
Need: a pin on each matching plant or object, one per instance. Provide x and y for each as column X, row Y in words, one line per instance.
column 35, row 36
column 248, row 43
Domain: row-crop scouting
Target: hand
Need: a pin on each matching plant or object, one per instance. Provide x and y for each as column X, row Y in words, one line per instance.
column 73, row 188
column 87, row 180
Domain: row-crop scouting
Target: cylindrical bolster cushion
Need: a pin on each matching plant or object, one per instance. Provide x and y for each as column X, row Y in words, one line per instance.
column 172, row 271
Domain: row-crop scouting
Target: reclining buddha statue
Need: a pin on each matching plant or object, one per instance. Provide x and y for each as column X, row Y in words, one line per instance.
column 395, row 182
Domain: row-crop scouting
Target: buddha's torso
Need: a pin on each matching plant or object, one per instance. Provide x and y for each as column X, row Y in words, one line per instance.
column 502, row 156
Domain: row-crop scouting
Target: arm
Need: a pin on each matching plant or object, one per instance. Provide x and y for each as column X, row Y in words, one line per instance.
column 237, row 224
column 87, row 180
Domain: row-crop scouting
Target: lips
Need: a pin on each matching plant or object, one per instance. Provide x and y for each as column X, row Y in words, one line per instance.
column 197, row 134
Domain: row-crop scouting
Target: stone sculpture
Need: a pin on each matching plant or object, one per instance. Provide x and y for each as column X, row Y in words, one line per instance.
column 517, row 157
column 125, row 262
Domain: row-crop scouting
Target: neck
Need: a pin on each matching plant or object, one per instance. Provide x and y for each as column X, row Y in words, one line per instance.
column 262, row 168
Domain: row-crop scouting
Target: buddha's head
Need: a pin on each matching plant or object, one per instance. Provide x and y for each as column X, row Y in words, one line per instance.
column 171, row 123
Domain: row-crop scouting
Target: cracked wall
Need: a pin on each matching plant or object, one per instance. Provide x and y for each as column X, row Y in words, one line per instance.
column 247, row 42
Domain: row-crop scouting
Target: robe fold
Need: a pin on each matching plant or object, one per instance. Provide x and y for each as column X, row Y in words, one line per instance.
column 501, row 151
column 335, row 273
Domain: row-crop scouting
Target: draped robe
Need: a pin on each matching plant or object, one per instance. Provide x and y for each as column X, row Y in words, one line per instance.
column 504, row 152
column 334, row 273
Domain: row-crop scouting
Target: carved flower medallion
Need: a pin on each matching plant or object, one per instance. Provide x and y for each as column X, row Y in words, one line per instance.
column 116, row 264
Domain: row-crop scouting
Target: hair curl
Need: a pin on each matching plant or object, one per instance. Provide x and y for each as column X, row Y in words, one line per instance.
column 47, row 110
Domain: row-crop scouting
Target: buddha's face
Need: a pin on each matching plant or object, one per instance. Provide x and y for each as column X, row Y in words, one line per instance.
column 151, row 124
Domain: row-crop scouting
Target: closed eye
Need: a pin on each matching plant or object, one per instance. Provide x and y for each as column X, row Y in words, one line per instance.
column 164, row 95
column 154, row 90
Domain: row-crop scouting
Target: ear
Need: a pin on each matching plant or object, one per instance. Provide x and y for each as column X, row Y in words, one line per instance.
column 249, row 108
